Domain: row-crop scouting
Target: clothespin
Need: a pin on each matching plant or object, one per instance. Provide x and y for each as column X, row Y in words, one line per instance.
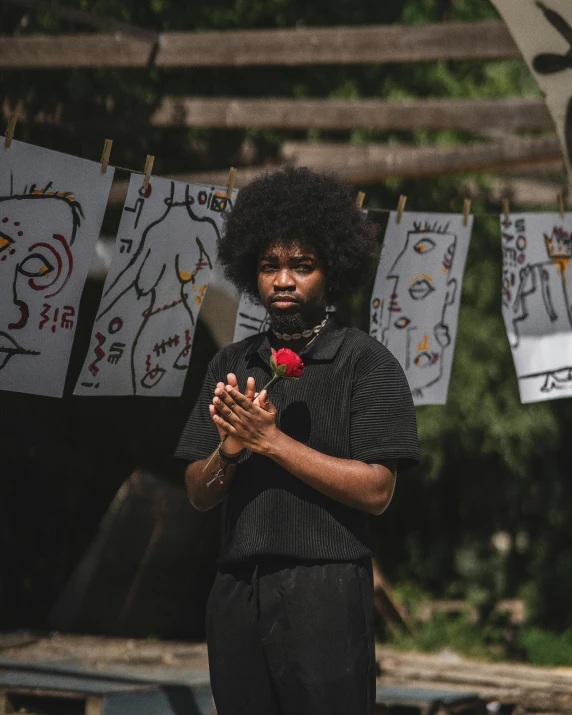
column 360, row 199
column 148, row 169
column 506, row 210
column 400, row 207
column 561, row 204
column 466, row 211
column 106, row 154
column 10, row 130
column 230, row 184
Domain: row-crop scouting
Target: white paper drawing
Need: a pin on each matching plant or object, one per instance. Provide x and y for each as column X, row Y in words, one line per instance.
column 416, row 297
column 543, row 33
column 537, row 300
column 165, row 250
column 51, row 209
column 251, row 318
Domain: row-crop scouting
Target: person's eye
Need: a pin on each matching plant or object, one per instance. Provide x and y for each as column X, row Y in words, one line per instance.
column 305, row 268
column 424, row 245
column 36, row 266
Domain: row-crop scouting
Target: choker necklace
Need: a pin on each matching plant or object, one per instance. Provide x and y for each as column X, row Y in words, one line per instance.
column 305, row 334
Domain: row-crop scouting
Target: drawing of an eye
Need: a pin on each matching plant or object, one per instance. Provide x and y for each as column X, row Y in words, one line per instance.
column 36, row 266
column 182, row 361
column 5, row 242
column 424, row 245
column 153, row 377
column 402, row 322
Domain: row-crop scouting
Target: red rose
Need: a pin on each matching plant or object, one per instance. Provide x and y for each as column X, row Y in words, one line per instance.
column 286, row 363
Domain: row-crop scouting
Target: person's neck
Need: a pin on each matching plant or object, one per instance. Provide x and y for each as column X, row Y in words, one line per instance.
column 299, row 344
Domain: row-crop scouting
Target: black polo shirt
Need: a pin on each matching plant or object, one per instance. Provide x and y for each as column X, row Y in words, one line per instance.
column 352, row 402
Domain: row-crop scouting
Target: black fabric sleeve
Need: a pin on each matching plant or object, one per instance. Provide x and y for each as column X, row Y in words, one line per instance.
column 382, row 416
column 200, row 436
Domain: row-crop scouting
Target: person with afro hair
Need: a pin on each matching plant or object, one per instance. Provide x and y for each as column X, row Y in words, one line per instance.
column 301, row 465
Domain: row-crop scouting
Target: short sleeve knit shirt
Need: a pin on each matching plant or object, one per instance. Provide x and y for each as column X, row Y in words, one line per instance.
column 352, row 402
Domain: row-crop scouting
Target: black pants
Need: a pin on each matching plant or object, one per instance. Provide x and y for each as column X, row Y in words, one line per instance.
column 292, row 639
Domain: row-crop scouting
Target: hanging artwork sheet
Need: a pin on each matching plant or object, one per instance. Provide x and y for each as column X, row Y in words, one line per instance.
column 165, row 250
column 543, row 33
column 537, row 300
column 51, row 210
column 251, row 318
column 416, row 297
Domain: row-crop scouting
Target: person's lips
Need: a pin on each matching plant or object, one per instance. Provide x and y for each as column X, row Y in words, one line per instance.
column 283, row 301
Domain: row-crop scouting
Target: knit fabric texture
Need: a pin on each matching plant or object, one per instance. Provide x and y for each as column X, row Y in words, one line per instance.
column 353, row 402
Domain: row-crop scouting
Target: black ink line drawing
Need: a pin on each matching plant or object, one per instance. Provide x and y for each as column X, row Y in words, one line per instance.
column 550, row 63
column 415, row 324
column 160, row 277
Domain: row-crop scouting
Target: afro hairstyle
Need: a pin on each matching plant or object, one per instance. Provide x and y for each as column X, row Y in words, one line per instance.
column 297, row 204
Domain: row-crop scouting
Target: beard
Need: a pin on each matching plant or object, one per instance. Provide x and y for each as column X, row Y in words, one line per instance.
column 289, row 322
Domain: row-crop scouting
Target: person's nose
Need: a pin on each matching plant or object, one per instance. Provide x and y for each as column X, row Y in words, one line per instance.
column 284, row 280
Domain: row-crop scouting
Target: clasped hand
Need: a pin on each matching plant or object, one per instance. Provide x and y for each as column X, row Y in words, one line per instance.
column 247, row 419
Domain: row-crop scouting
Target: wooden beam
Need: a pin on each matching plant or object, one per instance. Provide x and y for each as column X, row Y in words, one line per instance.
column 374, row 163
column 371, row 44
column 481, row 116
column 338, row 45
column 67, row 51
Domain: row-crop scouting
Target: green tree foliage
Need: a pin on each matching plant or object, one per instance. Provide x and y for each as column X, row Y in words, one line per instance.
column 490, row 464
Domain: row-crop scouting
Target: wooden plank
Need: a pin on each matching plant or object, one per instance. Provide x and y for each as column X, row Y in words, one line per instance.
column 373, row 44
column 67, row 51
column 374, row 163
column 338, row 45
column 480, row 116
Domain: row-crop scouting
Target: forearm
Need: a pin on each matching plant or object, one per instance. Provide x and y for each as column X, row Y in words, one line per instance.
column 202, row 497
column 368, row 487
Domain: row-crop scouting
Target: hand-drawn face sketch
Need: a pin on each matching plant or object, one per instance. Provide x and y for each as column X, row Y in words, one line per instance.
column 543, row 33
column 536, row 302
column 51, row 209
column 145, row 325
column 251, row 318
column 416, row 297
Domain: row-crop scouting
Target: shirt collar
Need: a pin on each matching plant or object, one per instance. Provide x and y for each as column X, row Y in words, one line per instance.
column 324, row 347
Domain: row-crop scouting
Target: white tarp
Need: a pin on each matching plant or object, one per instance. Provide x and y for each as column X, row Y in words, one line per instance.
column 51, row 209
column 537, row 300
column 416, row 297
column 543, row 33
column 165, row 250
